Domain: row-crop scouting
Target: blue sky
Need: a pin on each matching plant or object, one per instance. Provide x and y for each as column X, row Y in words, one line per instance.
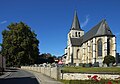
column 51, row 19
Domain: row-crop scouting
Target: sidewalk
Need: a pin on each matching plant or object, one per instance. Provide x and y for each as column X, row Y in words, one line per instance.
column 5, row 75
column 42, row 79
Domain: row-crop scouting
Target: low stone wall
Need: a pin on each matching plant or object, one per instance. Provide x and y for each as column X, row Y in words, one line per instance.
column 52, row 72
column 84, row 76
column 55, row 72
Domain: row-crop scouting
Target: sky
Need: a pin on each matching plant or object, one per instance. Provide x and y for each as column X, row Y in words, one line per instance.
column 51, row 19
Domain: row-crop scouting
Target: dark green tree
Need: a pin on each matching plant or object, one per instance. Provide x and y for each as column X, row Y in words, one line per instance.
column 0, row 47
column 45, row 58
column 20, row 45
column 109, row 59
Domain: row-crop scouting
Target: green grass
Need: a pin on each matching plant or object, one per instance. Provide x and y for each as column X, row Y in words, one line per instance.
column 89, row 82
column 91, row 70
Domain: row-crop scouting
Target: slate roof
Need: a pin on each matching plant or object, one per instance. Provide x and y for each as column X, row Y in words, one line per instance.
column 101, row 29
column 76, row 24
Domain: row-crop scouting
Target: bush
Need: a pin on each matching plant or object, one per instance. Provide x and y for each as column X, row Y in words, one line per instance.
column 84, row 65
column 109, row 59
column 81, row 64
column 96, row 64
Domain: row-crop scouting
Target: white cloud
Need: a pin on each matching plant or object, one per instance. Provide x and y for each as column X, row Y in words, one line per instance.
column 3, row 22
column 85, row 22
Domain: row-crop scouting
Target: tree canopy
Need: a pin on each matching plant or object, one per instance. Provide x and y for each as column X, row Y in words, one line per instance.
column 0, row 47
column 20, row 45
column 109, row 59
column 46, row 58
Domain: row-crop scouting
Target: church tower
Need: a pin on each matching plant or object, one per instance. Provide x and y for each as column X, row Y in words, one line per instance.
column 74, row 37
column 75, row 31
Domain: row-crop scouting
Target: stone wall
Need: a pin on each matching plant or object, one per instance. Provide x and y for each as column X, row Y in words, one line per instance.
column 52, row 72
column 84, row 76
column 55, row 72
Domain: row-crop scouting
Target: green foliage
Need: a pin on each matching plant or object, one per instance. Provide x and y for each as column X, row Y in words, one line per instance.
column 0, row 44
column 0, row 47
column 20, row 45
column 111, row 70
column 109, row 59
column 45, row 58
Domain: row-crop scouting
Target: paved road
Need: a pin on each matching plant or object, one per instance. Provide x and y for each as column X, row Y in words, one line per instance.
column 19, row 77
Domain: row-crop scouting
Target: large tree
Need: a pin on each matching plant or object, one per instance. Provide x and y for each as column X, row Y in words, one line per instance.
column 20, row 45
column 0, row 47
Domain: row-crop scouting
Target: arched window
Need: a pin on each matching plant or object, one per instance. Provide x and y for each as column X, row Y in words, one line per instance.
column 77, row 53
column 99, row 47
column 108, row 46
column 69, row 34
column 75, row 34
column 79, row 34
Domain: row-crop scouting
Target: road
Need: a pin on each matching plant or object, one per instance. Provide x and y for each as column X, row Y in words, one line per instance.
column 19, row 77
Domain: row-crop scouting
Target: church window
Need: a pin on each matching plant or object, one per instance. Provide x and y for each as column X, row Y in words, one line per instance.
column 108, row 46
column 77, row 53
column 79, row 34
column 99, row 47
column 70, row 35
column 75, row 34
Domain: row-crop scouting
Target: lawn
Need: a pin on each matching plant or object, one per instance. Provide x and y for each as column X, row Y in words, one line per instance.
column 112, row 70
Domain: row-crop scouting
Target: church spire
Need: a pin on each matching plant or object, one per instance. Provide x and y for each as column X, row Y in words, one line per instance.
column 76, row 24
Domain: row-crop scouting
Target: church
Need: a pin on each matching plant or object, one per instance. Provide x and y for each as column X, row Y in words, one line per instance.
column 89, row 47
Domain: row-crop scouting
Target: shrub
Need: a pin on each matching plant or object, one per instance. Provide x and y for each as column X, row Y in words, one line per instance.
column 109, row 59
column 96, row 64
